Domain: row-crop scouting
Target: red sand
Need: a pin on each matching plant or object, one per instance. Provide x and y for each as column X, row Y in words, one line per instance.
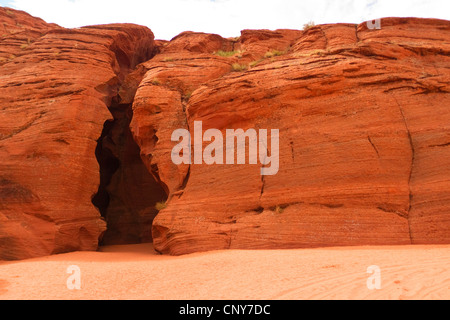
column 137, row 272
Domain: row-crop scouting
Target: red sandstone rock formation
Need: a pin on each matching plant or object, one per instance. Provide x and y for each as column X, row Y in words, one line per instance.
column 364, row 136
column 54, row 95
column 364, row 143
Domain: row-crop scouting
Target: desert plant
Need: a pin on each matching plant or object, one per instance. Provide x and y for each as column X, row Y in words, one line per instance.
column 225, row 54
column 238, row 67
column 310, row 53
column 160, row 205
column 273, row 53
column 24, row 46
column 318, row 52
column 187, row 95
column 155, row 82
column 279, row 209
column 268, row 54
column 308, row 25
column 255, row 63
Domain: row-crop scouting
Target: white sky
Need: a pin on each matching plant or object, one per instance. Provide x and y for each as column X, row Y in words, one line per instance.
column 167, row 18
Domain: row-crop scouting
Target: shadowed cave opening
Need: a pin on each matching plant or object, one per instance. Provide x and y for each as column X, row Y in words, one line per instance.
column 128, row 192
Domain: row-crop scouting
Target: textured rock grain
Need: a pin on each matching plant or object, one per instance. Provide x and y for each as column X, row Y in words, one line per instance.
column 364, row 129
column 364, row 145
column 54, row 95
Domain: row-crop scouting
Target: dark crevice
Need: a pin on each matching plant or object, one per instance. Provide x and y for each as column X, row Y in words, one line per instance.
column 263, row 185
column 326, row 38
column 257, row 210
column 292, row 151
column 128, row 192
column 332, row 205
column 439, row 145
column 392, row 210
column 356, row 33
column 413, row 156
column 180, row 192
column 186, row 179
column 108, row 166
column 373, row 146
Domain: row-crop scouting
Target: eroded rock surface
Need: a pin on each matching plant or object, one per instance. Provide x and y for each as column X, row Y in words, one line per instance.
column 54, row 98
column 364, row 142
column 87, row 117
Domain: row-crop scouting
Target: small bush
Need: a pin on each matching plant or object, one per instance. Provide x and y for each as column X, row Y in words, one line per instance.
column 268, row 54
column 308, row 25
column 238, row 67
column 24, row 46
column 255, row 63
column 155, row 82
column 168, row 59
column 160, row 206
column 273, row 53
column 225, row 54
column 279, row 209
column 311, row 53
column 318, row 52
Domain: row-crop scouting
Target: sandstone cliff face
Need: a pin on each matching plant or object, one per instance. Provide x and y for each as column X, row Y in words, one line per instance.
column 54, row 94
column 364, row 140
column 85, row 136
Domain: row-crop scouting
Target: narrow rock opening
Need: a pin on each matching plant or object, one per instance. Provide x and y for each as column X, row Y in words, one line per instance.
column 127, row 193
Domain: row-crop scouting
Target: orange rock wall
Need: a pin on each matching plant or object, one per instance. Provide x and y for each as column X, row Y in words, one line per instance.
column 364, row 139
column 54, row 94
column 364, row 129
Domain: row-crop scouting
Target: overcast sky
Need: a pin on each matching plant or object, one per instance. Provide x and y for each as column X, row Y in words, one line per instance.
column 167, row 18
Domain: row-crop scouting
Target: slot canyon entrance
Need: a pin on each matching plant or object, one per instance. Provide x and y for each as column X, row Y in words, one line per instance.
column 127, row 193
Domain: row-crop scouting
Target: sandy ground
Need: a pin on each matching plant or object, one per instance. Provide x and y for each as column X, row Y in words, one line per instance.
column 137, row 272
